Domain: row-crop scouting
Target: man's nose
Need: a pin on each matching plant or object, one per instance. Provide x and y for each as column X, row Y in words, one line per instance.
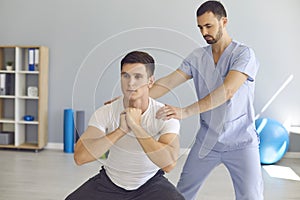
column 204, row 31
column 131, row 81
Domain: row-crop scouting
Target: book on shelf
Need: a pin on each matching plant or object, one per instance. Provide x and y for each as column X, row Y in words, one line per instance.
column 10, row 84
column 33, row 59
column 2, row 84
column 7, row 84
column 36, row 59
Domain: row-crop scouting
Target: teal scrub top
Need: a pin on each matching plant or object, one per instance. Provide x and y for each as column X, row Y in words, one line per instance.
column 231, row 125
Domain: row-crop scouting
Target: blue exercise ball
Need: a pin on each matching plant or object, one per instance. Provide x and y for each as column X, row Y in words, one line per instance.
column 274, row 140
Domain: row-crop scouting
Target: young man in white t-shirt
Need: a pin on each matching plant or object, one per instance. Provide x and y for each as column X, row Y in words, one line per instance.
column 141, row 147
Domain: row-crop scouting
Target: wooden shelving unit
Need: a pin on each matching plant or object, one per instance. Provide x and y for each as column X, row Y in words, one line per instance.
column 16, row 103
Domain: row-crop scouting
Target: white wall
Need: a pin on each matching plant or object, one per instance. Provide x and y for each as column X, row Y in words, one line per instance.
column 87, row 39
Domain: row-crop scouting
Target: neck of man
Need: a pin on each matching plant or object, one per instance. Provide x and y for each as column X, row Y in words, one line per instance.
column 140, row 103
column 222, row 44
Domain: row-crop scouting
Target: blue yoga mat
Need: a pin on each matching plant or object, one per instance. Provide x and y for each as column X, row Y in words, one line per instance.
column 69, row 131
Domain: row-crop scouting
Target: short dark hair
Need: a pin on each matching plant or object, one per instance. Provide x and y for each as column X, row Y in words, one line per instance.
column 140, row 57
column 212, row 6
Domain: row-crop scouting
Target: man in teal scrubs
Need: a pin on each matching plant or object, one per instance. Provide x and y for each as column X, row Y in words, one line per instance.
column 224, row 77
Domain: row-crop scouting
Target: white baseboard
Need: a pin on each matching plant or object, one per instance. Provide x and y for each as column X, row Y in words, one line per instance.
column 55, row 146
column 292, row 155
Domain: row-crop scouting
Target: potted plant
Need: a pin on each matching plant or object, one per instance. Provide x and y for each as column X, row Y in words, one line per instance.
column 9, row 65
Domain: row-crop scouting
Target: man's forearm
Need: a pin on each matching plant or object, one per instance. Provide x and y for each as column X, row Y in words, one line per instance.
column 167, row 83
column 219, row 96
column 159, row 89
column 161, row 154
column 209, row 102
column 93, row 146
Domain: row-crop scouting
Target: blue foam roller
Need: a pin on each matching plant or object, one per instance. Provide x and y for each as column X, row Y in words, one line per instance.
column 69, row 131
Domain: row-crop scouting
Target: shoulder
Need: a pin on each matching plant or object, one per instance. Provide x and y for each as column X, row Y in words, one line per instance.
column 107, row 115
column 241, row 48
column 155, row 103
column 168, row 126
column 154, row 106
column 197, row 56
column 113, row 107
column 199, row 52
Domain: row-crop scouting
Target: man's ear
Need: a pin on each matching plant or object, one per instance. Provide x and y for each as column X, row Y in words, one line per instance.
column 151, row 81
column 224, row 21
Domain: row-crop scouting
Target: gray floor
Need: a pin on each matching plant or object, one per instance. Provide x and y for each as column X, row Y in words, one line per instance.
column 52, row 174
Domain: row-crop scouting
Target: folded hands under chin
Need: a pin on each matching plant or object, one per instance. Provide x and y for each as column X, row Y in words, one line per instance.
column 130, row 118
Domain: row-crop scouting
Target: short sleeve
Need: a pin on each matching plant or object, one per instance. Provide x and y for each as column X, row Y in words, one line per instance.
column 186, row 66
column 100, row 118
column 171, row 126
column 246, row 63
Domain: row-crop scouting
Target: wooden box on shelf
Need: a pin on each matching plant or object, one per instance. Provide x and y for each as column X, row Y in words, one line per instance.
column 24, row 92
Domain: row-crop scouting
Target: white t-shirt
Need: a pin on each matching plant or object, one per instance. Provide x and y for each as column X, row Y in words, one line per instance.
column 127, row 164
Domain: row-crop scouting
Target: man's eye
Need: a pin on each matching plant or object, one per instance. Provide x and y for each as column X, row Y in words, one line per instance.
column 125, row 75
column 138, row 76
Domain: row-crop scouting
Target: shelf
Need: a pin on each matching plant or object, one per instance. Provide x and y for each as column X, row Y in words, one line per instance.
column 16, row 104
column 28, row 122
column 21, row 146
column 29, row 145
column 28, row 72
column 7, row 121
column 27, row 97
column 7, row 146
column 8, row 71
column 7, row 96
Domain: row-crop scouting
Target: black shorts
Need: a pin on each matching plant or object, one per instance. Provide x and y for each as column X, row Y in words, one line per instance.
column 100, row 187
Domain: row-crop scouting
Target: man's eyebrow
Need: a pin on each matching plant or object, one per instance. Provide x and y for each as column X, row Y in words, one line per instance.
column 132, row 74
column 207, row 24
column 124, row 73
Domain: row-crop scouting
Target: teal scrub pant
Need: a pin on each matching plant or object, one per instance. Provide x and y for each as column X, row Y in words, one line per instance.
column 243, row 165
